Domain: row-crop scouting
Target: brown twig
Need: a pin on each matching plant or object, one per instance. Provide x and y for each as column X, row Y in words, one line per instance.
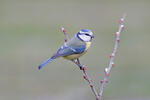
column 86, row 77
column 111, row 63
column 83, row 68
column 108, row 69
column 65, row 33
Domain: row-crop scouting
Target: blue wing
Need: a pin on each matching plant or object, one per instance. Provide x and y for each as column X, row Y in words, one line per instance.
column 64, row 51
column 69, row 50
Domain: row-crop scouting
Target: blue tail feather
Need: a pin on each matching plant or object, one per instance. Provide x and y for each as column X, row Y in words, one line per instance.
column 45, row 62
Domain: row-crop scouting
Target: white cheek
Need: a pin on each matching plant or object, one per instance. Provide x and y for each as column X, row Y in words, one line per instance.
column 85, row 38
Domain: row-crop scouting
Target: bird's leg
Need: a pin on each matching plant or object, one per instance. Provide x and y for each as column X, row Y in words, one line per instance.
column 77, row 62
column 81, row 66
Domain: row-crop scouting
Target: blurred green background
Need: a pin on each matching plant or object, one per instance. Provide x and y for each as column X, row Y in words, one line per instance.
column 30, row 33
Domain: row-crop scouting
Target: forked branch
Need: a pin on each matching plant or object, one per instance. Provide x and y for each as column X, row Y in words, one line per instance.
column 82, row 67
column 107, row 69
column 111, row 62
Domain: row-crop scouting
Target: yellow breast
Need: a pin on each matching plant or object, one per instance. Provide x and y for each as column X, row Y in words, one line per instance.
column 75, row 56
column 88, row 44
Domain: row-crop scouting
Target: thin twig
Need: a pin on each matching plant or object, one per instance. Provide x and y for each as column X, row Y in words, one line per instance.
column 65, row 33
column 108, row 69
column 83, row 68
column 86, row 77
column 111, row 63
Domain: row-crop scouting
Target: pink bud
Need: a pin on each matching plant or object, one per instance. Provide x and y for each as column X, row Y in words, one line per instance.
column 107, row 74
column 106, row 70
column 118, row 40
column 121, row 20
column 117, row 33
column 84, row 68
column 122, row 27
column 62, row 28
column 113, row 64
column 112, row 55
column 91, row 81
column 91, row 85
column 84, row 77
column 64, row 31
column 102, row 81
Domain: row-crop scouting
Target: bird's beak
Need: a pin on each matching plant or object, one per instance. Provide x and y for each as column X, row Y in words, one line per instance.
column 92, row 36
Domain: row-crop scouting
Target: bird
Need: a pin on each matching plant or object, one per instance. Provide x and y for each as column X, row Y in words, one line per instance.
column 73, row 48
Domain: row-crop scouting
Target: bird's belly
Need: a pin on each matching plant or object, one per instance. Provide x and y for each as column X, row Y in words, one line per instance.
column 74, row 56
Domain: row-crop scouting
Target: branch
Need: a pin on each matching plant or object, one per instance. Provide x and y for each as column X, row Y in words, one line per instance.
column 65, row 33
column 111, row 63
column 83, row 68
column 86, row 77
column 108, row 69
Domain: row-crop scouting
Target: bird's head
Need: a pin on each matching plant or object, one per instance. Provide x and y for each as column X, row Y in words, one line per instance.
column 85, row 35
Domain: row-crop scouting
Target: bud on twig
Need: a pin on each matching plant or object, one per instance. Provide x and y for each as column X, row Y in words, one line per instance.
column 122, row 27
column 63, row 30
column 84, row 68
column 65, row 33
column 108, row 69
column 111, row 63
column 84, row 76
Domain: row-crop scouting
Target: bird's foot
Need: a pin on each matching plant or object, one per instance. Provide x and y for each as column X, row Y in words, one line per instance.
column 84, row 68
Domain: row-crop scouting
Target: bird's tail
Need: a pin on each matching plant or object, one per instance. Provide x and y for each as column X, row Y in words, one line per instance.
column 46, row 62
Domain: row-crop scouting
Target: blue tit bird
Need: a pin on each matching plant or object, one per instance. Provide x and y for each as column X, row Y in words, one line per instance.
column 73, row 48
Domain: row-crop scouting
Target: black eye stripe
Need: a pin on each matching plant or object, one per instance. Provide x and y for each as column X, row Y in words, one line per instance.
column 87, row 34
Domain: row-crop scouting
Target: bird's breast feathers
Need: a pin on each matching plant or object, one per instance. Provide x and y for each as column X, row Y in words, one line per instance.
column 88, row 44
column 75, row 56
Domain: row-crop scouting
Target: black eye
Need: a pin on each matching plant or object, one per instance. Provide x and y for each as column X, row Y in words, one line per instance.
column 87, row 34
